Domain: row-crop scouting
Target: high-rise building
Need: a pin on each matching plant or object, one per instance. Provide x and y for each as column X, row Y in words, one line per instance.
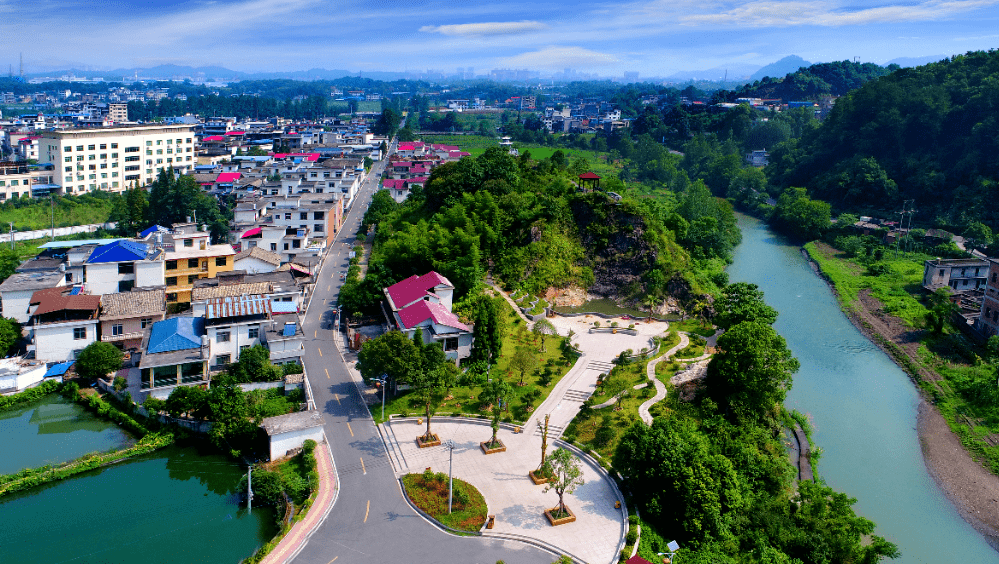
column 113, row 158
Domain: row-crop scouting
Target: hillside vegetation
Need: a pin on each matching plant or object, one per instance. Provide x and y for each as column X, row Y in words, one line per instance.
column 925, row 133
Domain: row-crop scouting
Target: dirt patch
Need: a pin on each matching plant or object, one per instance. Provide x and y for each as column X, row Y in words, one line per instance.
column 972, row 489
column 570, row 296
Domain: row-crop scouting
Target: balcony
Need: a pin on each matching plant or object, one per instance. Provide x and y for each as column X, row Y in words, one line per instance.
column 135, row 335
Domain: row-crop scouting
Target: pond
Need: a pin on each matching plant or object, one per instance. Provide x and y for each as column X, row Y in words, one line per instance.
column 53, row 430
column 605, row 306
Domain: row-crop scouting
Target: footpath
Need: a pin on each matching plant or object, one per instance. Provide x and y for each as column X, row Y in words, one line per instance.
column 321, row 506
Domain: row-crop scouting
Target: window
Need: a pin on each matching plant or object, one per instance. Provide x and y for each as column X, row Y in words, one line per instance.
column 222, row 337
column 171, row 281
column 114, row 145
column 132, row 149
column 126, row 285
column 171, row 265
column 117, row 330
column 451, row 344
column 223, row 359
column 296, row 243
column 273, row 246
column 146, row 322
column 79, row 147
column 69, row 277
column 68, row 159
column 172, row 296
column 91, row 147
column 318, row 228
column 303, row 215
column 149, row 143
column 220, row 261
column 79, row 333
column 126, row 268
column 188, row 242
column 191, row 279
column 192, row 263
column 287, row 215
column 69, row 149
column 318, row 215
column 253, row 332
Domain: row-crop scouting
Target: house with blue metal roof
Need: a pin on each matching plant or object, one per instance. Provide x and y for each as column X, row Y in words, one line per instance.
column 121, row 265
column 175, row 353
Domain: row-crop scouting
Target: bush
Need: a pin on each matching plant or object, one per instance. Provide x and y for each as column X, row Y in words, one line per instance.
column 98, row 359
column 631, row 537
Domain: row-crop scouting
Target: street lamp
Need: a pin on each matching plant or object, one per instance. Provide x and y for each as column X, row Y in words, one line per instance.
column 673, row 546
column 383, row 381
column 449, row 445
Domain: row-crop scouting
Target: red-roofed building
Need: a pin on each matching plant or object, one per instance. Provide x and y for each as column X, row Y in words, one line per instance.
column 424, row 303
column 61, row 326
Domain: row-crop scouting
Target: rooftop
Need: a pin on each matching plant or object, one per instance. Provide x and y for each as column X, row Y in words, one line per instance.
column 422, row 310
column 292, row 422
column 132, row 304
column 260, row 254
column 119, row 251
column 176, row 334
column 229, row 290
column 414, row 288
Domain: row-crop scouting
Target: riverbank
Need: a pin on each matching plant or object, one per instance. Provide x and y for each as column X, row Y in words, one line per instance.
column 973, row 489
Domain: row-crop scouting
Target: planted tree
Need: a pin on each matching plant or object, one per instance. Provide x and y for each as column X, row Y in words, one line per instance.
column 543, row 328
column 497, row 390
column 98, row 360
column 431, row 388
column 740, row 302
column 523, row 361
column 564, row 475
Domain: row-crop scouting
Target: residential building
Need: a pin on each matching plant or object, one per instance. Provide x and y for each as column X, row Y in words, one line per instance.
column 256, row 260
column 290, row 431
column 238, row 321
column 193, row 258
column 62, row 325
column 423, row 303
column 17, row 290
column 175, row 353
column 122, row 265
column 126, row 315
column 988, row 321
column 113, row 158
column 957, row 274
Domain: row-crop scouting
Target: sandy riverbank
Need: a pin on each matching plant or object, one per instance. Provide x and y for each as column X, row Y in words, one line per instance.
column 972, row 488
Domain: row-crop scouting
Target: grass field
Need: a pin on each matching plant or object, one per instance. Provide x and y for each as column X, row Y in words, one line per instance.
column 429, row 491
column 66, row 213
column 465, row 398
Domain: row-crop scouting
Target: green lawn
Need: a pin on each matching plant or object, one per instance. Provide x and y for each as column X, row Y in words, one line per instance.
column 429, row 492
column 38, row 215
column 465, row 398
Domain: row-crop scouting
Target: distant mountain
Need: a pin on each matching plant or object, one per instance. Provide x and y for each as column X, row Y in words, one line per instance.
column 739, row 71
column 915, row 61
column 167, row 72
column 782, row 67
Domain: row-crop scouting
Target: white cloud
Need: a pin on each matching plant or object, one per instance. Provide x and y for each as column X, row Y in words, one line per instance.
column 485, row 28
column 772, row 13
column 557, row 57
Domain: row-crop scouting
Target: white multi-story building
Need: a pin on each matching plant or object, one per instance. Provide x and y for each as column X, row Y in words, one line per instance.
column 113, row 158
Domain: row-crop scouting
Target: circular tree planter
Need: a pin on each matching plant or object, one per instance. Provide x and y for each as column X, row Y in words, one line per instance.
column 538, row 477
column 562, row 517
column 423, row 441
column 490, row 447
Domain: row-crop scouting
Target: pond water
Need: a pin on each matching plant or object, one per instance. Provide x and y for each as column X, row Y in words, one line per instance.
column 178, row 505
column 53, row 430
column 601, row 305
column 863, row 408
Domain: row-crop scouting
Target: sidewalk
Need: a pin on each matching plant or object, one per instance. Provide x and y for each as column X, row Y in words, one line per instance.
column 301, row 531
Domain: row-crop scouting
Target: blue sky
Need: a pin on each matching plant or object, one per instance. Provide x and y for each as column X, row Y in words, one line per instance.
column 653, row 37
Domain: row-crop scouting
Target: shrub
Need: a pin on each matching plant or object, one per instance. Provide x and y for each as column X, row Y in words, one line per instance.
column 596, row 324
column 631, row 537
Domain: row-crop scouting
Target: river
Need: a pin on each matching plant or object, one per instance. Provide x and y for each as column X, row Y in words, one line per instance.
column 863, row 408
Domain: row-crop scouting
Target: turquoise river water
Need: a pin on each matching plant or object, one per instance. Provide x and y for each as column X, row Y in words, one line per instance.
column 862, row 405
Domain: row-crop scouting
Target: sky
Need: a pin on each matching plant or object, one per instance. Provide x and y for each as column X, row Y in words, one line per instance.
column 651, row 37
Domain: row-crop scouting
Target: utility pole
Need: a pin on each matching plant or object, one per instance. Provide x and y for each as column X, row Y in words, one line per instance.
column 249, row 489
column 52, row 213
column 12, row 235
column 449, row 445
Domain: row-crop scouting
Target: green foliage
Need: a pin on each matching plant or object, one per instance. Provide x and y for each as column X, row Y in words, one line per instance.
column 801, row 216
column 98, row 359
column 233, row 430
column 192, row 400
column 392, row 354
column 429, row 492
column 941, row 308
column 10, row 336
column 564, row 474
column 29, row 395
column 173, row 200
column 254, row 365
column 742, row 302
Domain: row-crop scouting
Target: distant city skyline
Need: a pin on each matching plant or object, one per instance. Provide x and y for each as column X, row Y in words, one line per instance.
column 652, row 38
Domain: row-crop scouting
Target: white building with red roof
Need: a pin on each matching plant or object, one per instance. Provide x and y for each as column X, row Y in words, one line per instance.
column 424, row 303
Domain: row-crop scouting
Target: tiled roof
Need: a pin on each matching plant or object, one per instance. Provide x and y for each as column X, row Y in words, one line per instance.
column 422, row 310
column 228, row 177
column 119, row 251
column 260, row 254
column 176, row 334
column 229, row 290
column 414, row 288
column 292, row 422
column 132, row 304
column 49, row 302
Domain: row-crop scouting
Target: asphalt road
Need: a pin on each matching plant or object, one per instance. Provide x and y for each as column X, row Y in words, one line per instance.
column 371, row 522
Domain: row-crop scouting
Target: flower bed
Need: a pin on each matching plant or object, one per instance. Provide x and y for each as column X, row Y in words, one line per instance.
column 429, row 492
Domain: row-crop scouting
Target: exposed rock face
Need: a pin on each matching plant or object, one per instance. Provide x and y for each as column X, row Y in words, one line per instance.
column 620, row 255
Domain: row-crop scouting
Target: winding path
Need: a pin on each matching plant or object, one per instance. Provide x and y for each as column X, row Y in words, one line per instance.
column 643, row 410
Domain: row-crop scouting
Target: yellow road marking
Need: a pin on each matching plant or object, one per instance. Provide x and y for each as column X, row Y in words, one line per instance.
column 337, row 398
column 334, row 560
column 352, row 434
column 363, row 471
column 366, row 511
column 316, row 334
column 320, row 351
column 328, row 375
column 329, row 287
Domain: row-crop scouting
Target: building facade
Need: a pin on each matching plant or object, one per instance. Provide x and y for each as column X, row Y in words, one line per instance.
column 114, row 158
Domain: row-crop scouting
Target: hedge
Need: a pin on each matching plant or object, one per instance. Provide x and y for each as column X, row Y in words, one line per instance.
column 29, row 395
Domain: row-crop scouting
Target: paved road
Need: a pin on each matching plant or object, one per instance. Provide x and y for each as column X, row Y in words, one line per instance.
column 371, row 522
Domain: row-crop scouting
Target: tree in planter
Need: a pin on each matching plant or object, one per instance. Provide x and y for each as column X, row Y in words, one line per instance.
column 98, row 360
column 497, row 390
column 430, row 389
column 543, row 328
column 564, row 475
column 523, row 361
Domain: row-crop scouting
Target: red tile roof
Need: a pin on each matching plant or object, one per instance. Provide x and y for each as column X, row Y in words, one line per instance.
column 235, row 133
column 589, row 176
column 308, row 156
column 415, row 288
column 228, row 177
column 214, row 138
column 49, row 302
column 421, row 311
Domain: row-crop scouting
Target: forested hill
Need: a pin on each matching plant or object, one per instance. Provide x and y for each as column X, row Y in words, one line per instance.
column 810, row 83
column 925, row 133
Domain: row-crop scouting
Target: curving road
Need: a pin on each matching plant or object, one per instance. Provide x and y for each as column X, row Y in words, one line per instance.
column 371, row 522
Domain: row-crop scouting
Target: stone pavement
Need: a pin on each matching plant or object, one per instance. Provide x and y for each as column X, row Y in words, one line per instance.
column 301, row 531
column 597, row 535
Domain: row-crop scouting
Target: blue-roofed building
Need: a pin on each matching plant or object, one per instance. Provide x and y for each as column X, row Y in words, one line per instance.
column 153, row 229
column 175, row 353
column 123, row 264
